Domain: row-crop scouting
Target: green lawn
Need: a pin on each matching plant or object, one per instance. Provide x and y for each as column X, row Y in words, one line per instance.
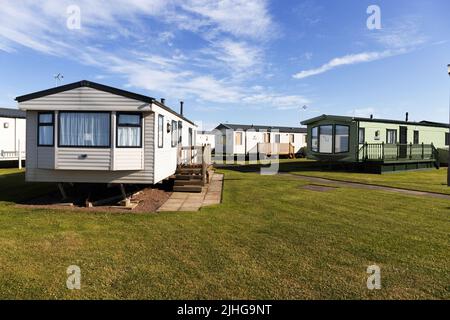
column 425, row 180
column 269, row 239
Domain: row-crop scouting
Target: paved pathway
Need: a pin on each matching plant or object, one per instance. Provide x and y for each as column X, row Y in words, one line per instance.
column 359, row 185
column 186, row 201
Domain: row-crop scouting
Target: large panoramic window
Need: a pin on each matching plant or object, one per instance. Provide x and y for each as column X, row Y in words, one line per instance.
column 46, row 125
column 341, row 139
column 129, row 130
column 84, row 129
column 315, row 139
column 391, row 136
column 326, row 139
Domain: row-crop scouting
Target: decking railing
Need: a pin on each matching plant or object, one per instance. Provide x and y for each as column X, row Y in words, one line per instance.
column 194, row 155
column 396, row 152
column 276, row 148
column 11, row 155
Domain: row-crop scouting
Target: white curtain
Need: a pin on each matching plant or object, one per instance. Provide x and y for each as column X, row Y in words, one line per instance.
column 84, row 129
column 129, row 136
column 46, row 135
column 326, row 139
column 341, row 143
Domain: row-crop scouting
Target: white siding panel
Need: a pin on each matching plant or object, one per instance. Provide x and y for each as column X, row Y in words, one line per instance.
column 83, row 159
column 45, row 157
column 82, row 98
column 128, row 159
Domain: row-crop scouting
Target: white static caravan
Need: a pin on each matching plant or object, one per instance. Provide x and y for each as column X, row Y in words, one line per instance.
column 238, row 139
column 12, row 134
column 205, row 138
column 86, row 132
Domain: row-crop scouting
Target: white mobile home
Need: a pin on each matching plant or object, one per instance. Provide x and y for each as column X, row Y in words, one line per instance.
column 238, row 139
column 205, row 138
column 86, row 132
column 12, row 134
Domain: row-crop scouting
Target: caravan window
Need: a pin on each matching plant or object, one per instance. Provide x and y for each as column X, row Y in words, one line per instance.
column 277, row 138
column 180, row 132
column 447, row 138
column 238, row 138
column 292, row 138
column 326, row 139
column 315, row 139
column 341, row 139
column 391, row 136
column 84, row 129
column 46, row 128
column 362, row 135
column 416, row 137
column 174, row 133
column 160, row 131
column 129, row 130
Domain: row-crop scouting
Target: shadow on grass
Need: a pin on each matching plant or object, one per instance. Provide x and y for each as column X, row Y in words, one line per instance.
column 14, row 189
column 292, row 166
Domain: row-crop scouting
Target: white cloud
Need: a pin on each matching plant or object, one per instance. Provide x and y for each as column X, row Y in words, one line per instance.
column 347, row 60
column 404, row 33
column 231, row 33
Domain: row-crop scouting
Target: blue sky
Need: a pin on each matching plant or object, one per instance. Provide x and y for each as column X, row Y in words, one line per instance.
column 238, row 61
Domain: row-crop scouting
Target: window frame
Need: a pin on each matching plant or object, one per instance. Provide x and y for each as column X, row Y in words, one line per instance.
column 317, row 138
column 387, row 136
column 160, row 131
column 416, row 137
column 363, row 135
column 334, row 138
column 275, row 136
column 241, row 134
column 173, row 134
column 118, row 114
column 84, row 147
column 180, row 132
column 291, row 135
column 46, row 124
column 447, row 139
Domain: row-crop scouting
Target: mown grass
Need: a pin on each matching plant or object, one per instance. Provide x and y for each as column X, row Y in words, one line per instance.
column 270, row 239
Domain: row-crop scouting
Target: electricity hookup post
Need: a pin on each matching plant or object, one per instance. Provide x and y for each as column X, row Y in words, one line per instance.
column 448, row 160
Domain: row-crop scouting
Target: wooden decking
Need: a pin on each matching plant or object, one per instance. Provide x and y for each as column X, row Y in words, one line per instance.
column 281, row 149
column 192, row 171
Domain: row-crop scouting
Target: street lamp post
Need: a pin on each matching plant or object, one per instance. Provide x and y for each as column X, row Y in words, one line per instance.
column 448, row 160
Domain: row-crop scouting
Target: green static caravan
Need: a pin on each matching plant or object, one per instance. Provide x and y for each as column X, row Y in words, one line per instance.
column 377, row 145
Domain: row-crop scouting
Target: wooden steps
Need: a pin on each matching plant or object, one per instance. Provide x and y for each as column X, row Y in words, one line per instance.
column 188, row 188
column 189, row 179
column 188, row 182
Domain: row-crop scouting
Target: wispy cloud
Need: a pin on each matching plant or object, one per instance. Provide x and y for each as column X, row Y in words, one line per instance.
column 233, row 34
column 345, row 61
column 401, row 37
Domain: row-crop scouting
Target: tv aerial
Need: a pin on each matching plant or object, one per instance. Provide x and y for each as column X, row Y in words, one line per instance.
column 58, row 78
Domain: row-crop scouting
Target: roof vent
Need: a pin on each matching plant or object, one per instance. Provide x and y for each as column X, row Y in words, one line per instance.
column 407, row 117
column 181, row 107
column 371, row 116
column 163, row 100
